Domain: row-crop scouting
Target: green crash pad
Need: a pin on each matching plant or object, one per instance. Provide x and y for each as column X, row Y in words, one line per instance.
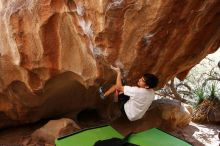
column 151, row 137
column 156, row 137
column 88, row 137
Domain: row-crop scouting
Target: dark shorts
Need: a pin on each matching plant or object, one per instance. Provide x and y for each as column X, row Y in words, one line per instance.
column 122, row 99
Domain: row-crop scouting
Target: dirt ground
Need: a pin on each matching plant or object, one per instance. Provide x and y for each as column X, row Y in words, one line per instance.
column 200, row 135
column 196, row 134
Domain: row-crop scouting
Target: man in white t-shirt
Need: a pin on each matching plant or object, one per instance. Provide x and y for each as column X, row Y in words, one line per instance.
column 133, row 101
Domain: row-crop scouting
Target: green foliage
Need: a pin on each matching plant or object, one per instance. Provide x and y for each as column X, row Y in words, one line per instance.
column 213, row 91
column 200, row 94
column 206, row 91
column 203, row 81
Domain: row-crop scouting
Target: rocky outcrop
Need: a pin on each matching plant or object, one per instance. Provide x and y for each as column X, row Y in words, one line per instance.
column 54, row 54
column 163, row 113
column 54, row 129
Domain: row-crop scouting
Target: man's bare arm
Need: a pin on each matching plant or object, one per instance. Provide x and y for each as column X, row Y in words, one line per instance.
column 119, row 85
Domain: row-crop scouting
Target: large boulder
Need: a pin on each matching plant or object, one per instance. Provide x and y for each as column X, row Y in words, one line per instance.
column 54, row 54
column 54, row 129
column 163, row 113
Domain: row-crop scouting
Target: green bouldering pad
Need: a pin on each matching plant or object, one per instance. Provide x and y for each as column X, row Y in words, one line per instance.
column 156, row 137
column 88, row 137
column 151, row 137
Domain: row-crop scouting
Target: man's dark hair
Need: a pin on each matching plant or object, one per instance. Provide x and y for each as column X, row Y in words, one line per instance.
column 151, row 80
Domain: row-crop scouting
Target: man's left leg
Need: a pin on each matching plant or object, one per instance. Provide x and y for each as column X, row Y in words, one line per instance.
column 103, row 94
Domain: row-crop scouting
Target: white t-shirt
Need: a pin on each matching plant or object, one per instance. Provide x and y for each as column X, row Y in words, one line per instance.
column 140, row 100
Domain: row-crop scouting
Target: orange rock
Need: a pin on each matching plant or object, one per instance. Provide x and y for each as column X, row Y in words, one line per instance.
column 55, row 129
column 42, row 40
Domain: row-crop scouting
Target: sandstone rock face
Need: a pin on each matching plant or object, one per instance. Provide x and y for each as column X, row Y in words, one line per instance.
column 54, row 54
column 164, row 113
column 54, row 129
